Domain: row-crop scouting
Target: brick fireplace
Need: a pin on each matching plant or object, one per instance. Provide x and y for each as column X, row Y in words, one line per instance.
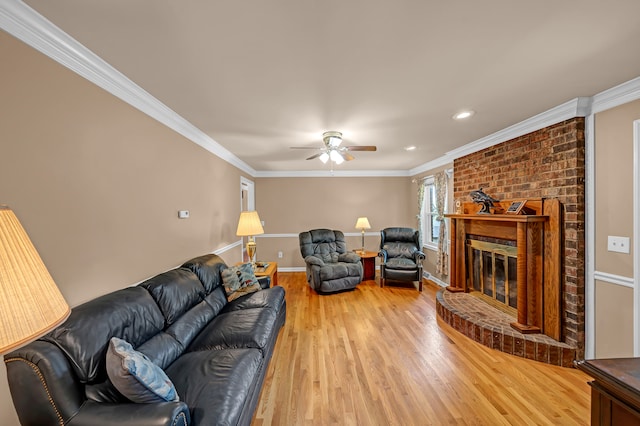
column 548, row 163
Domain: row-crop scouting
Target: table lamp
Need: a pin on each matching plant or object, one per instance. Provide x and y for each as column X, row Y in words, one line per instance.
column 249, row 225
column 30, row 303
column 363, row 223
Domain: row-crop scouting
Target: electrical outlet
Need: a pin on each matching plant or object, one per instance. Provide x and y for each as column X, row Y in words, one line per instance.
column 618, row 244
column 279, row 255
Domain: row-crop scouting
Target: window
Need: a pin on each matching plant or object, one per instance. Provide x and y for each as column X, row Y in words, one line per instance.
column 430, row 226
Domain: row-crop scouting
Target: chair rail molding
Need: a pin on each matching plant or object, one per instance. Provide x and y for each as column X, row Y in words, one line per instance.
column 614, row 279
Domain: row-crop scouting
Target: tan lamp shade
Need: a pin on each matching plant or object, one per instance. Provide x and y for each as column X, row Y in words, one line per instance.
column 30, row 303
column 363, row 223
column 249, row 224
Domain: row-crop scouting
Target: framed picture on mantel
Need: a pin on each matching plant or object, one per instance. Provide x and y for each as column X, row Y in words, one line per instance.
column 516, row 207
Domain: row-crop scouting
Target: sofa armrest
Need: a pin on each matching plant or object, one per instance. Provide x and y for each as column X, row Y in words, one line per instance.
column 383, row 254
column 265, row 281
column 418, row 256
column 314, row 260
column 348, row 257
column 160, row 414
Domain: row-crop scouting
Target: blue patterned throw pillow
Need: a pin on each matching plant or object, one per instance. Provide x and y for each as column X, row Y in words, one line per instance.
column 135, row 376
column 239, row 281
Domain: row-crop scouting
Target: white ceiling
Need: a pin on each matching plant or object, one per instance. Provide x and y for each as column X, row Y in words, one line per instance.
column 261, row 76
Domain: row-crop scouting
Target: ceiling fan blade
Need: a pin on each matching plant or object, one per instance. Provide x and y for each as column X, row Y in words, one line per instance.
column 347, row 156
column 361, row 148
column 303, row 147
column 315, row 156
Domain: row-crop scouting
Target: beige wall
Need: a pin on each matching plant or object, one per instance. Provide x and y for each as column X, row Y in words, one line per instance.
column 614, row 216
column 614, row 320
column 97, row 184
column 291, row 205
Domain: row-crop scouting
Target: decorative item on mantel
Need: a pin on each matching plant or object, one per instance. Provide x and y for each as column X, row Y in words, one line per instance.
column 479, row 197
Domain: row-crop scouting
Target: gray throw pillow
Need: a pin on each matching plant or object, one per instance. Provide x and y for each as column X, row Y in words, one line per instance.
column 135, row 376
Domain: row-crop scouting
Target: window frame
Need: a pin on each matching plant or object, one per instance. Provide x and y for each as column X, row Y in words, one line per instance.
column 427, row 216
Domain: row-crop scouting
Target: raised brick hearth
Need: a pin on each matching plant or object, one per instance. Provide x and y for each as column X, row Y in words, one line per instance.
column 548, row 163
column 490, row 327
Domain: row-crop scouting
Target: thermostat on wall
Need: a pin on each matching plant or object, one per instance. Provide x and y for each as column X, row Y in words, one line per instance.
column 183, row 214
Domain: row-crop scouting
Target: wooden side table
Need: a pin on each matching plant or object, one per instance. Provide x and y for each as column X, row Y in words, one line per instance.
column 368, row 263
column 271, row 271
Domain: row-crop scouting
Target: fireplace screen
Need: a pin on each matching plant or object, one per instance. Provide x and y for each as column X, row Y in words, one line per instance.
column 492, row 272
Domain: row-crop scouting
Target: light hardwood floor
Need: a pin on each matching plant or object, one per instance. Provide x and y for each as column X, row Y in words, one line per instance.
column 380, row 356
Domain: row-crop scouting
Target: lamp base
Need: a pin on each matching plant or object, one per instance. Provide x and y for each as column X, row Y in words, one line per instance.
column 251, row 251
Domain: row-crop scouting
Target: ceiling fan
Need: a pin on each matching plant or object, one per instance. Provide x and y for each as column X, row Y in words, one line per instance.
column 332, row 149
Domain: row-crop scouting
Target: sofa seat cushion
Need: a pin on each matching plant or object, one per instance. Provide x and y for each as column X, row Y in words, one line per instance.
column 251, row 328
column 268, row 298
column 339, row 284
column 401, row 263
column 217, row 384
column 336, row 271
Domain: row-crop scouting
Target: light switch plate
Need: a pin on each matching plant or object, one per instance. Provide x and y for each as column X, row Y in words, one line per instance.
column 618, row 244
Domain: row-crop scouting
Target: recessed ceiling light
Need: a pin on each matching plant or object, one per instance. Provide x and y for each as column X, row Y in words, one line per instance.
column 410, row 148
column 463, row 114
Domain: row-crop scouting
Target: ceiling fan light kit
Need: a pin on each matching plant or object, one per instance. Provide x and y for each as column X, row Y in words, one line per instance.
column 332, row 149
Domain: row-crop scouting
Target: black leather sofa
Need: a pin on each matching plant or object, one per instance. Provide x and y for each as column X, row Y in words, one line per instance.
column 215, row 352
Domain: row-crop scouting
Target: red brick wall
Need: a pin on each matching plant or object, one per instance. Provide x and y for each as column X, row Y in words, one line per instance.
column 548, row 163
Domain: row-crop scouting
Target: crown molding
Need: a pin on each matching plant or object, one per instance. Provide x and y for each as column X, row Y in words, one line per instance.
column 445, row 160
column 333, row 173
column 621, row 94
column 24, row 23
column 578, row 107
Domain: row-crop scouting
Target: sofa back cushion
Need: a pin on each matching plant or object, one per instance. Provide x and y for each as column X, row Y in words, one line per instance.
column 326, row 244
column 207, row 268
column 175, row 291
column 400, row 242
column 130, row 314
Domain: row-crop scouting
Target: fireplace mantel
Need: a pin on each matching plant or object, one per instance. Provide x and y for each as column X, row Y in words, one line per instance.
column 537, row 238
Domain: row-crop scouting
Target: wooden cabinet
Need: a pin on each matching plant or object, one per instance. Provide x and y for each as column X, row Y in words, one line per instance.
column 615, row 392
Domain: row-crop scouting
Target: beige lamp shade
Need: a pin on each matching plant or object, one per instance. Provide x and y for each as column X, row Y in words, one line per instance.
column 30, row 303
column 249, row 224
column 363, row 223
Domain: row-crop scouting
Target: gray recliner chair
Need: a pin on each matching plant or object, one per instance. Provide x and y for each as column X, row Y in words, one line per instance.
column 401, row 255
column 330, row 267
